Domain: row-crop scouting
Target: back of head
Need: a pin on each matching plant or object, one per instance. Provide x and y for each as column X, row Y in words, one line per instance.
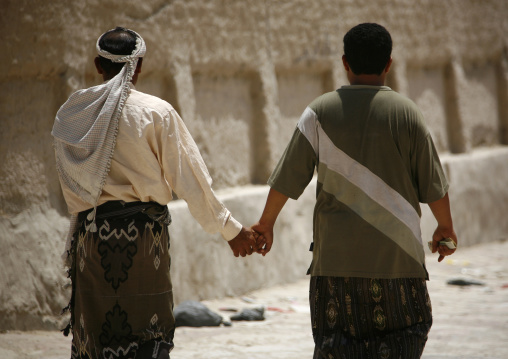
column 119, row 41
column 367, row 48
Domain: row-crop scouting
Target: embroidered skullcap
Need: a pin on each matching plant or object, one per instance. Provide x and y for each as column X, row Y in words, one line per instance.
column 139, row 50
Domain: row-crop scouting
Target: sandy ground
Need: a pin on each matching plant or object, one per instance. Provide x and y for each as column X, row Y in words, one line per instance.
column 469, row 321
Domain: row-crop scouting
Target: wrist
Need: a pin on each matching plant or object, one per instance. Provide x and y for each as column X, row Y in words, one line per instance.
column 446, row 228
column 231, row 229
column 267, row 222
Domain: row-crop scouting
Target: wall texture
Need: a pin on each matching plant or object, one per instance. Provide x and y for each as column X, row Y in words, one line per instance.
column 240, row 73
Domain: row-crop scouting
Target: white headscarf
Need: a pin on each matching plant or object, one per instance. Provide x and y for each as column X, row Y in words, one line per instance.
column 86, row 126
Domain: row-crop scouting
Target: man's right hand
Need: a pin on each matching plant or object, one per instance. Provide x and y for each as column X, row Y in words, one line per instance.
column 274, row 204
column 244, row 243
column 265, row 238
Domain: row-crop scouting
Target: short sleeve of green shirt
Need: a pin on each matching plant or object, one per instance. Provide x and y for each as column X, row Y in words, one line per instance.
column 428, row 171
column 295, row 168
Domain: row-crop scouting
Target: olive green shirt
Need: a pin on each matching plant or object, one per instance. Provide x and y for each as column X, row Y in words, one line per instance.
column 375, row 162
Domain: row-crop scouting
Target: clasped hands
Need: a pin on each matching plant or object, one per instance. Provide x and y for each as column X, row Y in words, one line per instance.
column 256, row 239
column 259, row 239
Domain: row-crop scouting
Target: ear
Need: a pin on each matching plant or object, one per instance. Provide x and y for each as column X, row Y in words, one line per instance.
column 388, row 65
column 138, row 66
column 345, row 63
column 98, row 66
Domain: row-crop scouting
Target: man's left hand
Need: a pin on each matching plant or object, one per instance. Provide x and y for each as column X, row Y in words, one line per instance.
column 244, row 243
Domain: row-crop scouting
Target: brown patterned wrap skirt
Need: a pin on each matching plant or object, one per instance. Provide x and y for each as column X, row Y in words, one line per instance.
column 369, row 318
column 122, row 299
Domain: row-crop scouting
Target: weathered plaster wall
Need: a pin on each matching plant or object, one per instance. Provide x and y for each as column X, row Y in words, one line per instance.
column 240, row 73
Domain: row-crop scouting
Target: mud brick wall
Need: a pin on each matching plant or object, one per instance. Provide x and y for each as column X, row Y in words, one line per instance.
column 240, row 73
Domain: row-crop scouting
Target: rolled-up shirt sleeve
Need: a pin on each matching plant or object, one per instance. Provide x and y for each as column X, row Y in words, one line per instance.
column 188, row 176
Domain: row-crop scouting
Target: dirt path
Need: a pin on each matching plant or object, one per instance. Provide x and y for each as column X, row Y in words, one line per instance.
column 469, row 321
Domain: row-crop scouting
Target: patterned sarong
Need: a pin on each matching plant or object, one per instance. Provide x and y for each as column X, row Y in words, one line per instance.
column 369, row 318
column 122, row 302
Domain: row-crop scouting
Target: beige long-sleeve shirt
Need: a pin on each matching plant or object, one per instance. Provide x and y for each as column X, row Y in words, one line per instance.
column 155, row 155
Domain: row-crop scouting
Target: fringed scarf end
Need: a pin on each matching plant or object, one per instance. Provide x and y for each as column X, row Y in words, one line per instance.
column 66, row 330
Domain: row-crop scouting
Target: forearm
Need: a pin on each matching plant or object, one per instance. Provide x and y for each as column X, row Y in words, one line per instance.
column 274, row 204
column 441, row 211
column 187, row 175
column 209, row 211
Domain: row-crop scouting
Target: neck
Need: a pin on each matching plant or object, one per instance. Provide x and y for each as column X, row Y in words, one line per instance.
column 363, row 79
column 133, row 80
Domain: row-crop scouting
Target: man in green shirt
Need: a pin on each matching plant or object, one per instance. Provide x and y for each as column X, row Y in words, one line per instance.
column 375, row 162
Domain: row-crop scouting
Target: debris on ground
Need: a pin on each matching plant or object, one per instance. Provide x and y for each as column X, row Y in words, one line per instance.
column 464, row 282
column 195, row 314
column 250, row 314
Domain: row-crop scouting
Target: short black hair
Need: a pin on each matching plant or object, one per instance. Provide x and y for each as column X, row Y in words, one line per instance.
column 367, row 48
column 119, row 41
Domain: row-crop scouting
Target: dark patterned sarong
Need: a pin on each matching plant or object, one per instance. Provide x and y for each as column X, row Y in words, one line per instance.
column 369, row 318
column 122, row 302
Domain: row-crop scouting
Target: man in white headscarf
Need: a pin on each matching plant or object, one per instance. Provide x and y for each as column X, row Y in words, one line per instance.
column 120, row 154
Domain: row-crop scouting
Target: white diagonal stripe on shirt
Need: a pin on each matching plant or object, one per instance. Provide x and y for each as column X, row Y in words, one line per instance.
column 372, row 185
column 308, row 124
column 359, row 175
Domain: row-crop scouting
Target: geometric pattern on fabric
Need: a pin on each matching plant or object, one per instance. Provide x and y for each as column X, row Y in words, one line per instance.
column 116, row 328
column 369, row 318
column 122, row 302
column 156, row 247
column 117, row 251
